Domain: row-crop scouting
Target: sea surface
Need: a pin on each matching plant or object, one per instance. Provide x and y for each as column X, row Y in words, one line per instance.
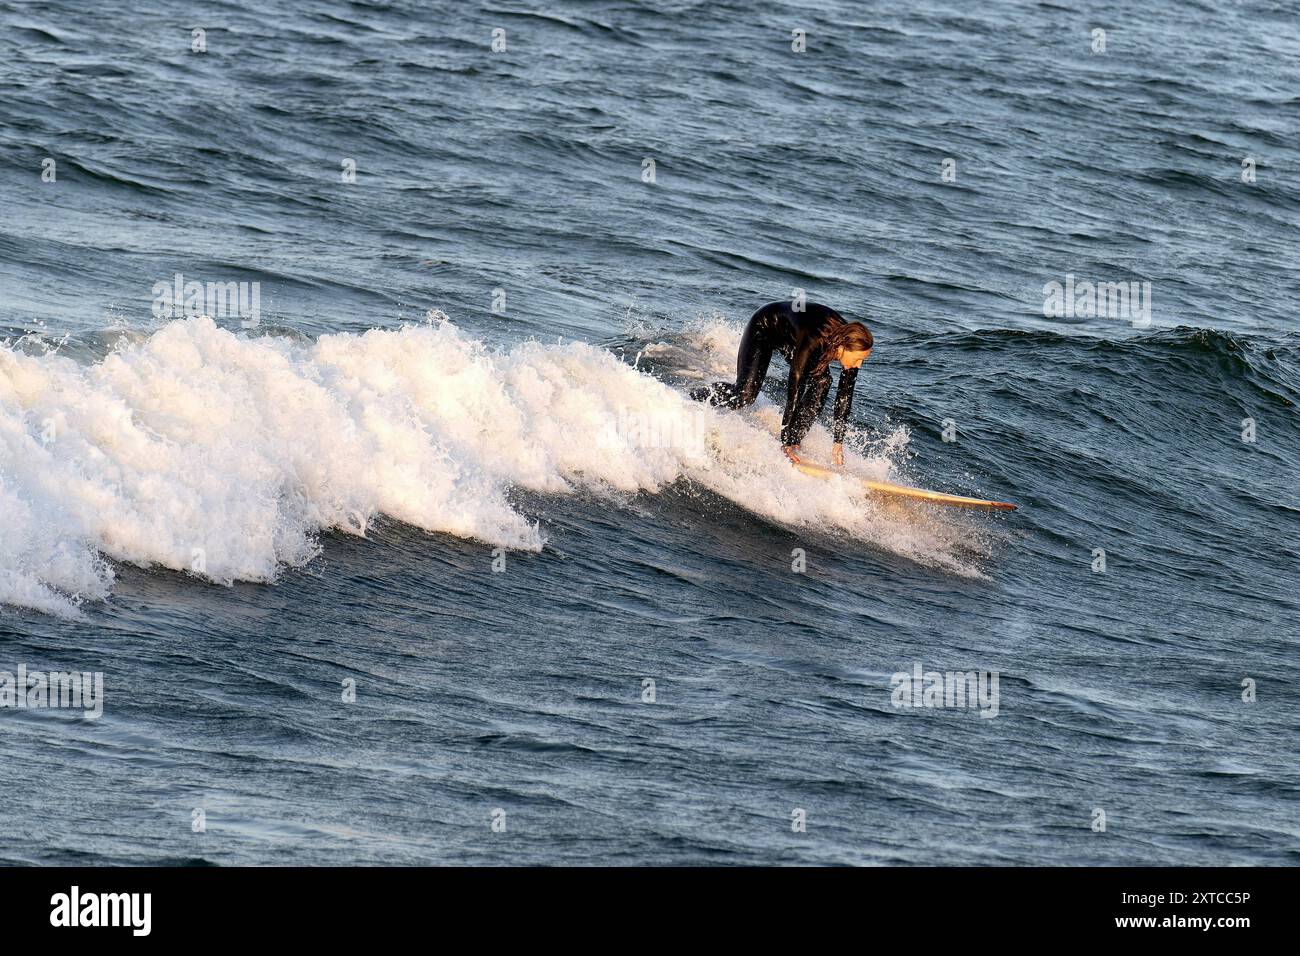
column 427, row 558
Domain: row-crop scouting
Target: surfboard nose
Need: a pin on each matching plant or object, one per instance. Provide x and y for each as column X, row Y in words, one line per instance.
column 907, row 491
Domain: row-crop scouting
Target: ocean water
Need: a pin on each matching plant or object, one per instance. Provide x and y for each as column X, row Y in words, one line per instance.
column 452, row 470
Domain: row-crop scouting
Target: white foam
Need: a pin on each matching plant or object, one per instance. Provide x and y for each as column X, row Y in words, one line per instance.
column 224, row 456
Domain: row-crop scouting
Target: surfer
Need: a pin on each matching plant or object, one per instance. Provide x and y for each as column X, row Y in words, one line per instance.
column 810, row 339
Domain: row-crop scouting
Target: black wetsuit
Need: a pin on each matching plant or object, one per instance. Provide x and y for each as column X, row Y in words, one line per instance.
column 799, row 336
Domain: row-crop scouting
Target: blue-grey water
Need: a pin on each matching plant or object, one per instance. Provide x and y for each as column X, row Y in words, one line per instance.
column 497, row 527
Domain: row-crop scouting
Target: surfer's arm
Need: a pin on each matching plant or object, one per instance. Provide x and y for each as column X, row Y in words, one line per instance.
column 844, row 402
column 791, row 400
column 800, row 387
column 807, row 405
column 798, row 365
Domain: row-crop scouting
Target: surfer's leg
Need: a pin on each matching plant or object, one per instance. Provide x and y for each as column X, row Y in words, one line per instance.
column 752, row 360
column 751, row 369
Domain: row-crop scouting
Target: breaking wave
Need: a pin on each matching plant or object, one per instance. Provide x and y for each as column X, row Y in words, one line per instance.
column 225, row 455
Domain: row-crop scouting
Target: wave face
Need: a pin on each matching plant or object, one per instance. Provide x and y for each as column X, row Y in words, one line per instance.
column 206, row 451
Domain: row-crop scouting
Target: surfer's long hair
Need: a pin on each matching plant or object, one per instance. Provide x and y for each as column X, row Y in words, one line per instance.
column 838, row 334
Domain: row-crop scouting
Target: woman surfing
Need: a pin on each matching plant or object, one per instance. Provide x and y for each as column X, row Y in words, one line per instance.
column 810, row 339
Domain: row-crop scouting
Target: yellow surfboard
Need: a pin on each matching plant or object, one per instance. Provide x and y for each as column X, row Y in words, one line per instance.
column 905, row 491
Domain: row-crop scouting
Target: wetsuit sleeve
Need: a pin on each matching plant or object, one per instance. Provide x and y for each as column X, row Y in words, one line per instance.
column 798, row 368
column 791, row 401
column 844, row 401
column 807, row 406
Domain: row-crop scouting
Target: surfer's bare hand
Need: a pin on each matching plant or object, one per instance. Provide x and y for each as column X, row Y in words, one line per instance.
column 791, row 452
column 837, row 454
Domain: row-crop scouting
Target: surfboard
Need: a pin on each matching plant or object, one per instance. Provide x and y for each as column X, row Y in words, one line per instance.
column 906, row 491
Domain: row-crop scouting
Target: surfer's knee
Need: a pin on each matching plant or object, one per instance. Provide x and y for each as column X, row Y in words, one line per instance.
column 748, row 395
